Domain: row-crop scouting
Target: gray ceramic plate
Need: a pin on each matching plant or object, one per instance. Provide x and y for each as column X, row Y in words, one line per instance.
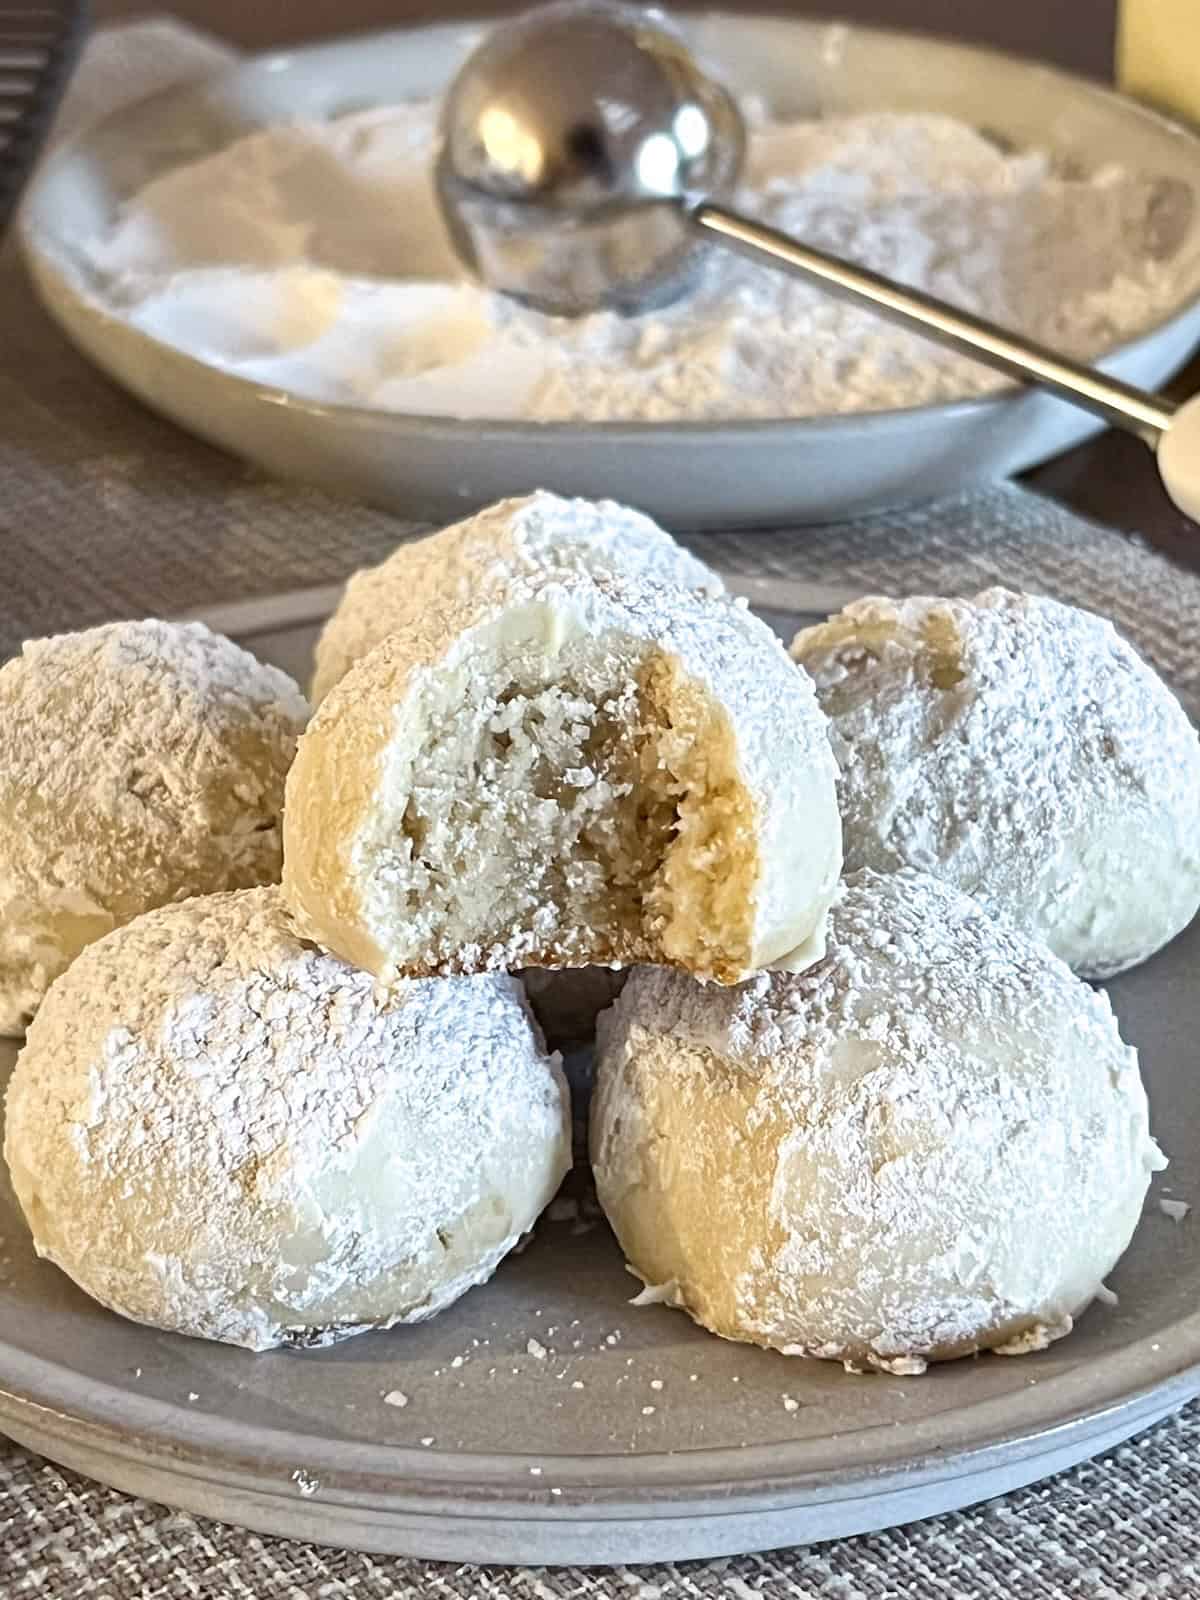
column 696, row 475
column 547, row 1420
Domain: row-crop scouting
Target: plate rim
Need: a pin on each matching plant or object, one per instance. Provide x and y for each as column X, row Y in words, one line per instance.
column 438, row 1481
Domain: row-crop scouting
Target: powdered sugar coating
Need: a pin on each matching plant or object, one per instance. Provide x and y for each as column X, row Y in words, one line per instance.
column 348, row 842
column 934, row 1141
column 1022, row 750
column 140, row 762
column 218, row 1130
column 487, row 553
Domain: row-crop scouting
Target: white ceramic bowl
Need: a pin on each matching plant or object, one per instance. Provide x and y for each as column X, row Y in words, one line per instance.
column 686, row 474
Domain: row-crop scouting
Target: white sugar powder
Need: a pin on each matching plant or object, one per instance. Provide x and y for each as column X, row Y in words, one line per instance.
column 312, row 257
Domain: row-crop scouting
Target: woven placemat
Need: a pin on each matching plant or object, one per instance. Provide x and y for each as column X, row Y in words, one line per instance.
column 106, row 510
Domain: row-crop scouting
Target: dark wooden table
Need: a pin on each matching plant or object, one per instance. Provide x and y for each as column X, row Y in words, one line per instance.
column 1112, row 478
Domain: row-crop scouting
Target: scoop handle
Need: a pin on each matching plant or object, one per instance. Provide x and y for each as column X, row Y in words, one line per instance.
column 1119, row 403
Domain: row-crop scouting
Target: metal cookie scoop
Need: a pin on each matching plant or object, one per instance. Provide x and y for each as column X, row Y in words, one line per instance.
column 572, row 141
column 585, row 155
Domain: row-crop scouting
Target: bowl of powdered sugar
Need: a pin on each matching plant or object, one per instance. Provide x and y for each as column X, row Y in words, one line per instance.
column 273, row 235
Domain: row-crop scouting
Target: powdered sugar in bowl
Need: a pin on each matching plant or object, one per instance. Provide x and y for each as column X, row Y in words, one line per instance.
column 317, row 322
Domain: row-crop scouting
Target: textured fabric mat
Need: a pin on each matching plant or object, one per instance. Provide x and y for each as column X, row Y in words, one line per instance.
column 105, row 511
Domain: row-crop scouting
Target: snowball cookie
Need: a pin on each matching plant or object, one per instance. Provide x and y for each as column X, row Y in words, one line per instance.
column 1024, row 752
column 140, row 762
column 218, row 1130
column 507, row 541
column 596, row 771
column 932, row 1143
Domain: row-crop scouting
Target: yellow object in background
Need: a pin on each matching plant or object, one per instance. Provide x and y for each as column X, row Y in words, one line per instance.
column 1158, row 54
